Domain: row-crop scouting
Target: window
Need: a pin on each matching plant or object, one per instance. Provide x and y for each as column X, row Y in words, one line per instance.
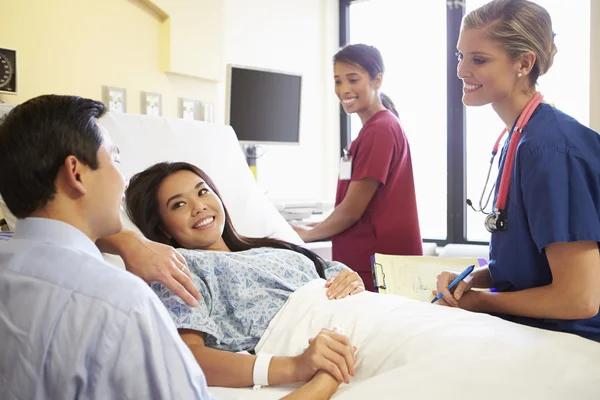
column 415, row 80
column 450, row 144
column 571, row 23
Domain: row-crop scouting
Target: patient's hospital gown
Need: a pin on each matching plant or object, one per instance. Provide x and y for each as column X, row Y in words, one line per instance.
column 241, row 293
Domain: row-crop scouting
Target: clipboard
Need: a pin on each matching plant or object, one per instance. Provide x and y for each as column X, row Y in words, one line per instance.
column 415, row 277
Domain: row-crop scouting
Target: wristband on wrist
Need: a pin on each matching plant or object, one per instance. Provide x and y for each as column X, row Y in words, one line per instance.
column 260, row 373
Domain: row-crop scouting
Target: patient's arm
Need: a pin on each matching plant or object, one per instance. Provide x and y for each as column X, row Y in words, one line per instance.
column 346, row 213
column 329, row 351
column 152, row 261
column 322, row 386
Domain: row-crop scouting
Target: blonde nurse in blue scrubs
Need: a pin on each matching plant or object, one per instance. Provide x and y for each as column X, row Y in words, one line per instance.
column 544, row 258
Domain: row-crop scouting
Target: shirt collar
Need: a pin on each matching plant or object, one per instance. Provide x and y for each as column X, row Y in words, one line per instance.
column 55, row 232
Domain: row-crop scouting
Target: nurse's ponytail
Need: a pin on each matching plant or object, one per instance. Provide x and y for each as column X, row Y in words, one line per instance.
column 389, row 104
column 369, row 58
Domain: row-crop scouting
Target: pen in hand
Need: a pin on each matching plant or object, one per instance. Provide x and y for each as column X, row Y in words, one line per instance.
column 455, row 282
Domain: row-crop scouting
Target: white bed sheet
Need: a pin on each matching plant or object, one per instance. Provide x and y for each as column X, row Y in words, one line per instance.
column 414, row 350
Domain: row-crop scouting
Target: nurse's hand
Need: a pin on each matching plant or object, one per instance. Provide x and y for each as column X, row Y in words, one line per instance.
column 346, row 283
column 452, row 299
column 302, row 230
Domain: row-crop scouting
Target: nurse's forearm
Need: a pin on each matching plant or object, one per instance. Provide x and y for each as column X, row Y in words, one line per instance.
column 482, row 278
column 541, row 302
column 337, row 222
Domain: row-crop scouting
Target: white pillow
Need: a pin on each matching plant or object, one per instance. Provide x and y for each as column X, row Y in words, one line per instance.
column 144, row 141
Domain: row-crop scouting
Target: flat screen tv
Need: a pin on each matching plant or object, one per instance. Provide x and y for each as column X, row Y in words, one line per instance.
column 263, row 106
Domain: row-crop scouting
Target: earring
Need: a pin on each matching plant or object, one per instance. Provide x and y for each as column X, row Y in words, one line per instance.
column 519, row 75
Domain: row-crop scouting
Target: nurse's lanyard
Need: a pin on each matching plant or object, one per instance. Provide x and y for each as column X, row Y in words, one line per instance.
column 497, row 220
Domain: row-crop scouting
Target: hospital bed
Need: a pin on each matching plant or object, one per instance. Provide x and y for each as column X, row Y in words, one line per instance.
column 481, row 366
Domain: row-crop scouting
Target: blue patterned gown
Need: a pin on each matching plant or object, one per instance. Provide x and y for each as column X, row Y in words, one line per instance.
column 241, row 293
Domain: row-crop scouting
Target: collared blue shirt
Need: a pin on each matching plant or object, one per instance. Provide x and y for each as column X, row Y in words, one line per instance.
column 554, row 196
column 74, row 327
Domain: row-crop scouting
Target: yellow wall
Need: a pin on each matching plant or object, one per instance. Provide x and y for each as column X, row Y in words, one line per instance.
column 76, row 46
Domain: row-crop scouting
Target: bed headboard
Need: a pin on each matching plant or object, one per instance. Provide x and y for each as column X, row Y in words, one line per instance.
column 144, row 140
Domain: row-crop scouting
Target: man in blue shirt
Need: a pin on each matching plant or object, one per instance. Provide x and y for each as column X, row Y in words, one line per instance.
column 73, row 326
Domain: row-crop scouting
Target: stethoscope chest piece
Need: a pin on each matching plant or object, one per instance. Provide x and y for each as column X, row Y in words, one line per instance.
column 496, row 222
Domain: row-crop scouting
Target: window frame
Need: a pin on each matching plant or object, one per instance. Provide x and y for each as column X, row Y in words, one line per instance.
column 456, row 124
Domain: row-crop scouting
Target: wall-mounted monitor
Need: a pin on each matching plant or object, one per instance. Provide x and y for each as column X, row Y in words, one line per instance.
column 263, row 106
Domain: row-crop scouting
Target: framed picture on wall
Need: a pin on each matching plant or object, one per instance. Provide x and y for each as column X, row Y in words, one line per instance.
column 8, row 71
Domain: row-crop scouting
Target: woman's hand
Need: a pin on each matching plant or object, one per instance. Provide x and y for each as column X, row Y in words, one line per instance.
column 452, row 299
column 321, row 387
column 154, row 261
column 346, row 283
column 329, row 351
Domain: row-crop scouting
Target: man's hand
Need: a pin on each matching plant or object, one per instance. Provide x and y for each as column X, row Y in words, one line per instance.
column 329, row 351
column 154, row 261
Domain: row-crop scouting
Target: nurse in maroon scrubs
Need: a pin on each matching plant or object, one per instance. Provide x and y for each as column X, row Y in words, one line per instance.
column 375, row 208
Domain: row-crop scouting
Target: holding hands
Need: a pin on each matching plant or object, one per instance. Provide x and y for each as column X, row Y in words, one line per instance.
column 329, row 351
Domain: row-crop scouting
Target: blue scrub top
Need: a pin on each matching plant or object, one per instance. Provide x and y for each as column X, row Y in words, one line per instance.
column 554, row 196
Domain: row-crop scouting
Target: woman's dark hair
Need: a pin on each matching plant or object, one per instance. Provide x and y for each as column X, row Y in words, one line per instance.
column 369, row 58
column 141, row 198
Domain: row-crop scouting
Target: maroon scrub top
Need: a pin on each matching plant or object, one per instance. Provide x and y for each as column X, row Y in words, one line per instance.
column 390, row 224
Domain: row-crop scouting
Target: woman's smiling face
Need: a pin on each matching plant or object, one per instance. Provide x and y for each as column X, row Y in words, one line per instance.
column 191, row 212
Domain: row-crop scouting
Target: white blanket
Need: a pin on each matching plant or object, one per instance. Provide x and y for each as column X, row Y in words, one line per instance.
column 414, row 350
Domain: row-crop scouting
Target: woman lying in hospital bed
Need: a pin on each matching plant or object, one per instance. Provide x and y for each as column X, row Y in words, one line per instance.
column 271, row 297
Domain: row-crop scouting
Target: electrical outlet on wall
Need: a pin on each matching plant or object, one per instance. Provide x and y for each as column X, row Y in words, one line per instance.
column 151, row 104
column 196, row 109
column 208, row 112
column 189, row 109
column 114, row 98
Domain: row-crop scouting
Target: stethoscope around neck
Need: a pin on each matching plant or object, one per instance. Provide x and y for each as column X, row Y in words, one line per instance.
column 497, row 220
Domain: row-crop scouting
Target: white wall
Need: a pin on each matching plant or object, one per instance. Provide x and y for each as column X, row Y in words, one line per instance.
column 301, row 37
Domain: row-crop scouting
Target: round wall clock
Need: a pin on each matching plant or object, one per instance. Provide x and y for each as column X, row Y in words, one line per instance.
column 8, row 71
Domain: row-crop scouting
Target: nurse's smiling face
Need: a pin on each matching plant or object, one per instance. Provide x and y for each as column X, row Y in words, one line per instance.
column 354, row 87
column 489, row 75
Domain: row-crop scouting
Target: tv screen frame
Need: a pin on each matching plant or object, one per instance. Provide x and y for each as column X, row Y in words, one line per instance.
column 228, row 104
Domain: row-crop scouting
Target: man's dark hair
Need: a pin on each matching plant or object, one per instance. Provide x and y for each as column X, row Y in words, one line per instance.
column 35, row 139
